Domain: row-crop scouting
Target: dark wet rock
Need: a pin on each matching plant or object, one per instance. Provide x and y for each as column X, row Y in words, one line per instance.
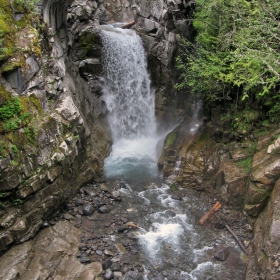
column 96, row 201
column 82, row 247
column 122, row 185
column 45, row 225
column 90, row 193
column 176, row 197
column 107, row 263
column 123, row 228
column 99, row 252
column 88, row 209
column 115, row 267
column 79, row 202
column 222, row 254
column 124, row 220
column 125, row 244
column 85, row 258
column 108, row 274
column 134, row 251
column 104, row 209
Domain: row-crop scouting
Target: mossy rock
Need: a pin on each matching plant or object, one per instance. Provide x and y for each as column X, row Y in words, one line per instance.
column 171, row 140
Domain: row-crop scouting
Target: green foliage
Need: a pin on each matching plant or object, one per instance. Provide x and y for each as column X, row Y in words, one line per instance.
column 15, row 149
column 12, row 114
column 17, row 201
column 10, row 109
column 2, row 194
column 87, row 40
column 14, row 163
column 31, row 133
column 245, row 164
column 21, row 5
column 236, row 52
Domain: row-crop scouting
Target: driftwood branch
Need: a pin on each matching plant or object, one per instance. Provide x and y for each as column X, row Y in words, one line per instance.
column 237, row 240
column 215, row 208
column 128, row 25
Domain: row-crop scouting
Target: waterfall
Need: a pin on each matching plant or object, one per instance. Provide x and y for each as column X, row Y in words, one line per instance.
column 127, row 90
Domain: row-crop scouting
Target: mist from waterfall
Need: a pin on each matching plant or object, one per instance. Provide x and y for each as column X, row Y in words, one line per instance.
column 127, row 90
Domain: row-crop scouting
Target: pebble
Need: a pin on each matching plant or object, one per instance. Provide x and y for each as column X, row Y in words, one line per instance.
column 84, row 258
column 115, row 267
column 88, row 209
column 99, row 252
column 108, row 274
column 104, row 209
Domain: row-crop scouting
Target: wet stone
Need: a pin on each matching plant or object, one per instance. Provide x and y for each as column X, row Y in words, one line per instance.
column 115, row 267
column 108, row 274
column 222, row 254
column 90, row 193
column 84, row 258
column 45, row 225
column 88, row 209
column 107, row 264
column 82, row 247
column 99, row 252
column 123, row 228
column 104, row 209
column 79, row 202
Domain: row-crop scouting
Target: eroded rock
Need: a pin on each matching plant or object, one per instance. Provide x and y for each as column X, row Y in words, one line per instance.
column 52, row 254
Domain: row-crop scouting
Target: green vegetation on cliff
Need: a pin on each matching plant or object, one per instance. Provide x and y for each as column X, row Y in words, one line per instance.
column 10, row 26
column 236, row 54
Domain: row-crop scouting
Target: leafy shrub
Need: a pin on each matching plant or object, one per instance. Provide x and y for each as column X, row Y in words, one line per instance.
column 235, row 54
column 10, row 109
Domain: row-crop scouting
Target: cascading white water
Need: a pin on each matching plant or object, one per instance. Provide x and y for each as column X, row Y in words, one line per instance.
column 127, row 90
column 130, row 102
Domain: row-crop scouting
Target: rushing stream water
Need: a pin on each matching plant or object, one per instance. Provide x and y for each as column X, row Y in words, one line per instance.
column 171, row 244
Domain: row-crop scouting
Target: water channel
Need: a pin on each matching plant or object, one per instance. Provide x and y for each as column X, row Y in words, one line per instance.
column 171, row 244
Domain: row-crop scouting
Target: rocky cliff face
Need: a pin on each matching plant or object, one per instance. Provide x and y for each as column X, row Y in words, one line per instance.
column 160, row 24
column 54, row 136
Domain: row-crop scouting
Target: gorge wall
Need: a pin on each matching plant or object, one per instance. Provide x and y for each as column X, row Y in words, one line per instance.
column 61, row 141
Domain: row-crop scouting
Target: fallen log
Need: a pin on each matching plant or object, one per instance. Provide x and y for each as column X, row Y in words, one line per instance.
column 215, row 208
column 128, row 25
column 237, row 240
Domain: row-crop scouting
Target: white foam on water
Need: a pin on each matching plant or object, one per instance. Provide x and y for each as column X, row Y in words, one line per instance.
column 153, row 240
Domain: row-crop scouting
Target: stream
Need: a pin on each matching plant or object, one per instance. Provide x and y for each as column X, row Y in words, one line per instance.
column 169, row 243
